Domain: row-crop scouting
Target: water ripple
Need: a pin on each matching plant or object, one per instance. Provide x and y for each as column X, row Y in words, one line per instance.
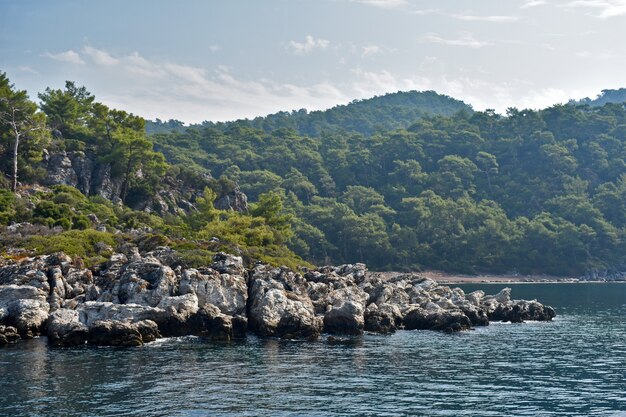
column 575, row 366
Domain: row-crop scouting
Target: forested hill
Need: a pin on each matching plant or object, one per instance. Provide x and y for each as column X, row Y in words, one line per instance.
column 529, row 191
column 85, row 180
column 382, row 113
column 605, row 97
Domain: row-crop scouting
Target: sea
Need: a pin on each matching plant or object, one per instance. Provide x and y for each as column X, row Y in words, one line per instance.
column 572, row 366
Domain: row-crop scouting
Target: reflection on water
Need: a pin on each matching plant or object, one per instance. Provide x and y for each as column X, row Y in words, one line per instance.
column 573, row 366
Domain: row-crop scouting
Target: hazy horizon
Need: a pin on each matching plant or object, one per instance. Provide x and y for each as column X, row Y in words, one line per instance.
column 224, row 61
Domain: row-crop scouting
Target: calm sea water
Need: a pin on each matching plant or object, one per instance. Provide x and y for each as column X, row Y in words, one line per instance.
column 573, row 366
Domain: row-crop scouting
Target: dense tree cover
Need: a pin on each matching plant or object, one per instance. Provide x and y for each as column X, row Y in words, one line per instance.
column 63, row 219
column 22, row 133
column 117, row 137
column 605, row 97
column 162, row 126
column 378, row 114
column 529, row 191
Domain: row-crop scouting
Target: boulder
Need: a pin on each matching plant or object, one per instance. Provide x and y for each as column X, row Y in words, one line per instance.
column 114, row 333
column 8, row 334
column 345, row 317
column 145, row 281
column 385, row 318
column 148, row 330
column 234, row 200
column 228, row 264
column 276, row 309
column 448, row 321
column 209, row 322
column 227, row 292
column 64, row 328
column 93, row 311
column 520, row 311
column 27, row 315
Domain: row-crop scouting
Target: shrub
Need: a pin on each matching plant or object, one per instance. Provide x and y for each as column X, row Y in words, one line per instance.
column 81, row 243
column 81, row 222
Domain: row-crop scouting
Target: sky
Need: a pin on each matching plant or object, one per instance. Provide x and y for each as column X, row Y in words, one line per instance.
column 199, row 60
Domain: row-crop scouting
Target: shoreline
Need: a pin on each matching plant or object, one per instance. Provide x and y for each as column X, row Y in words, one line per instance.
column 451, row 278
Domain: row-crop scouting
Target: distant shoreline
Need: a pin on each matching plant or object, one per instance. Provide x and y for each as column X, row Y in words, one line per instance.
column 451, row 278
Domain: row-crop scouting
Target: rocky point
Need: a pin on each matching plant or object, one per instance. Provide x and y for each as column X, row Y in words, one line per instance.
column 136, row 298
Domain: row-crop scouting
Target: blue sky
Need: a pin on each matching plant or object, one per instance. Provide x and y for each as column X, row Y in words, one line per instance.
column 222, row 60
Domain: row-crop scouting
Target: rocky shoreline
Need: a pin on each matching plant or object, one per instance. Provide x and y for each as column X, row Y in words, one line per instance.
column 136, row 298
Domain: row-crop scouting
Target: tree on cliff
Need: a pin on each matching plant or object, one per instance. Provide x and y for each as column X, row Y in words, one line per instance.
column 133, row 159
column 19, row 121
column 67, row 110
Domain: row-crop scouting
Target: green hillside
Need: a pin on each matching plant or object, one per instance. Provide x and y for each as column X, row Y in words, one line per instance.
column 528, row 191
column 378, row 114
column 541, row 192
column 134, row 195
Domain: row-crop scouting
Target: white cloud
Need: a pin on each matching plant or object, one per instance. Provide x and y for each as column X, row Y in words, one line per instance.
column 28, row 70
column 369, row 50
column 100, row 57
column 546, row 97
column 465, row 40
column 371, row 83
column 186, row 73
column 480, row 93
column 310, row 43
column 158, row 88
column 155, row 88
column 423, row 12
column 533, row 3
column 68, row 56
column 136, row 64
column 385, row 4
column 215, row 48
column 494, row 19
column 605, row 8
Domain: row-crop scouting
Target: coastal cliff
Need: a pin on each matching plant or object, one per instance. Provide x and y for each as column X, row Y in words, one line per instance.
column 135, row 298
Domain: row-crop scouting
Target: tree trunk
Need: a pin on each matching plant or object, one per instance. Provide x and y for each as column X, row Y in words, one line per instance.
column 129, row 165
column 15, row 147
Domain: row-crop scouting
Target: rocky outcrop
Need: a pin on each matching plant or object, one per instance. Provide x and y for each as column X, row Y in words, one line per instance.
column 234, row 200
column 92, row 176
column 500, row 307
column 81, row 170
column 135, row 298
column 66, row 329
column 279, row 304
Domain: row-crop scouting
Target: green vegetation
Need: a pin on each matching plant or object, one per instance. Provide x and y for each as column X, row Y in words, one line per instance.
column 533, row 192
column 378, row 114
column 605, row 97
column 62, row 218
column 529, row 191
column 22, row 133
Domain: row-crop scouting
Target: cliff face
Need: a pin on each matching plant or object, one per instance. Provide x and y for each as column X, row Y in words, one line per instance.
column 83, row 171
